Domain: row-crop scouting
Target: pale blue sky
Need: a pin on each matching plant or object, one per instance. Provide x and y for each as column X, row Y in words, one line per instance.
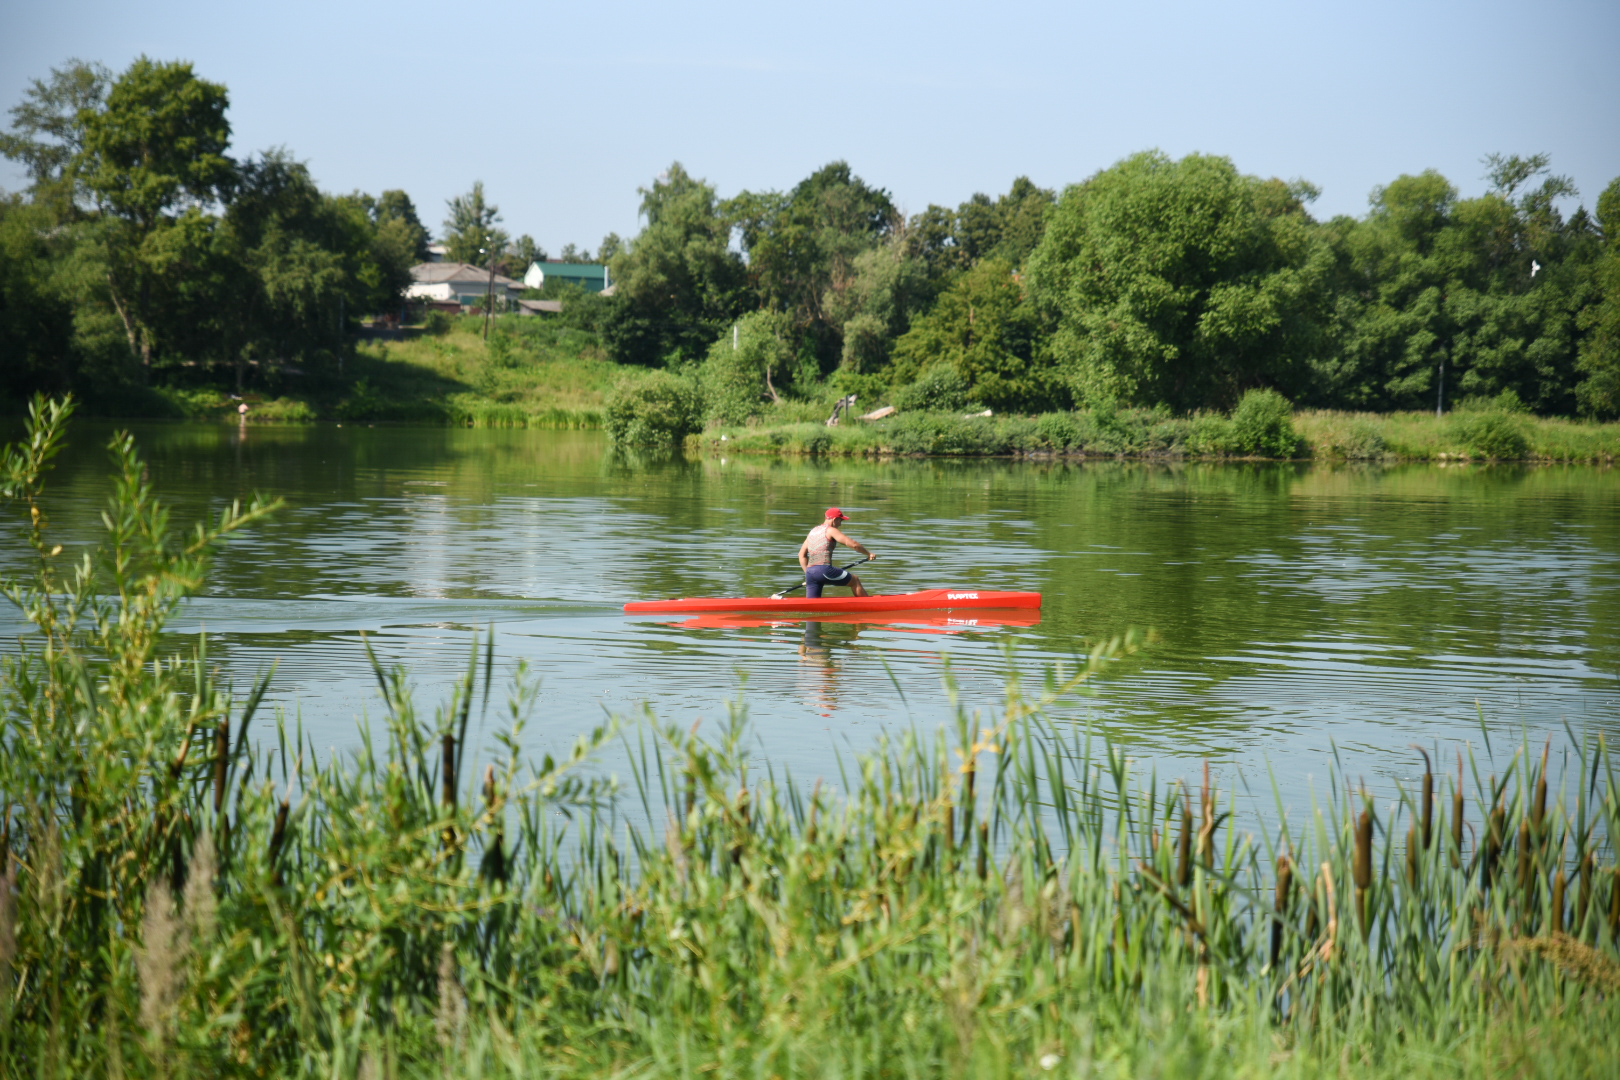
column 564, row 110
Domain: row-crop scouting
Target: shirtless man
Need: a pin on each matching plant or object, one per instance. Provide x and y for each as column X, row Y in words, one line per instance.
column 816, row 557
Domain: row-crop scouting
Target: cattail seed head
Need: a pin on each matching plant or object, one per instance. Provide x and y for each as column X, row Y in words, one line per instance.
column 1363, row 862
column 1560, row 882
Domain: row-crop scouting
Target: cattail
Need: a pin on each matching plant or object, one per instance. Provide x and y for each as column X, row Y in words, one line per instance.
column 1457, row 817
column 1206, row 831
column 1285, row 882
column 1539, row 814
column 1588, row 871
column 447, row 777
column 1494, row 837
column 1559, row 884
column 1313, row 919
column 1184, row 846
column 984, row 849
column 1363, row 868
column 691, row 792
column 8, row 923
column 278, row 834
column 1428, row 800
column 1526, row 880
column 1412, row 856
column 495, row 860
column 222, row 757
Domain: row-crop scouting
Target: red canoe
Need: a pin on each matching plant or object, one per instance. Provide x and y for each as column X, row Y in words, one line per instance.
column 925, row 600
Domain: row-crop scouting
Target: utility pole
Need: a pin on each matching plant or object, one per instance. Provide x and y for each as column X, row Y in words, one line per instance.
column 489, row 294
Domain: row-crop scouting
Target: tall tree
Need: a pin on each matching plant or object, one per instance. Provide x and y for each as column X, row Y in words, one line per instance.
column 1598, row 393
column 1183, row 282
column 470, row 233
column 154, row 153
column 804, row 243
column 47, row 131
column 679, row 283
column 984, row 329
column 395, row 211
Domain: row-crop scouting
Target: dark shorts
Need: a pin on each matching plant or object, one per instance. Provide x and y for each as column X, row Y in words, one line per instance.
column 824, row 574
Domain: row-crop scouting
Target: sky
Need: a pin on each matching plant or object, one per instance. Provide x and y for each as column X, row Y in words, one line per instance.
column 564, row 111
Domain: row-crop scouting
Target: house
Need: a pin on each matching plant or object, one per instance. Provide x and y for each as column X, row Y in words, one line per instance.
column 592, row 277
column 460, row 283
column 437, row 252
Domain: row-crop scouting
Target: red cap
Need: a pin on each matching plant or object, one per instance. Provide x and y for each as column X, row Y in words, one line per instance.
column 834, row 512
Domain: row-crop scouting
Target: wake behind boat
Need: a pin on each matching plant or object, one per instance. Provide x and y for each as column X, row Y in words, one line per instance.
column 927, row 599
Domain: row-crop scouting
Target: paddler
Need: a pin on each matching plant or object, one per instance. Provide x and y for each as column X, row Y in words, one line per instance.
column 816, row 556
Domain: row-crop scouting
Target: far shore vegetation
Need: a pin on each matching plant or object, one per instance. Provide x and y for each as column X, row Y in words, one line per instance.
column 1158, row 308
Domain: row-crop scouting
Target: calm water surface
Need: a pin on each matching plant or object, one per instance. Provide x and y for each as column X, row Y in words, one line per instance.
column 1297, row 607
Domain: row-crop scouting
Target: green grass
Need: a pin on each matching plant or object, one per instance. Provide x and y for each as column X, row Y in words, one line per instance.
column 194, row 894
column 1154, row 434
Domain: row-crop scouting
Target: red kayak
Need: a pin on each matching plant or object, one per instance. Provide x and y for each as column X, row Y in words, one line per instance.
column 928, row 599
column 920, row 621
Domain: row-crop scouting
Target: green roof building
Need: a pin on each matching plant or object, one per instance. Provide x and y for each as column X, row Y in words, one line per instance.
column 592, row 277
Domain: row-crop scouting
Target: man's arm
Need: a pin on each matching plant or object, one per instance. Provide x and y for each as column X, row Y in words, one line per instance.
column 838, row 535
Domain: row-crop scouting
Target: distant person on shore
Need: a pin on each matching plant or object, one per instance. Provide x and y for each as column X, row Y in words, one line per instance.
column 816, row 557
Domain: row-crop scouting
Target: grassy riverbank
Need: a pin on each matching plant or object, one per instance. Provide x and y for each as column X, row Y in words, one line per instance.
column 189, row 891
column 530, row 373
column 1473, row 435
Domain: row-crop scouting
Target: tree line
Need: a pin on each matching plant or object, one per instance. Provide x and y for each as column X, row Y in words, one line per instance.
column 141, row 250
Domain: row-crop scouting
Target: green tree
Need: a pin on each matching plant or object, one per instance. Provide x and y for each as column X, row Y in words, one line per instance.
column 740, row 373
column 395, row 212
column 47, row 132
column 521, row 254
column 803, row 244
column 303, row 263
column 470, row 233
column 1442, row 298
column 1598, row 392
column 985, row 331
column 1182, row 282
column 679, row 283
column 875, row 305
column 154, row 153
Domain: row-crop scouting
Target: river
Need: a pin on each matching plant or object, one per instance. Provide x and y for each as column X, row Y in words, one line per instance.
column 1298, row 608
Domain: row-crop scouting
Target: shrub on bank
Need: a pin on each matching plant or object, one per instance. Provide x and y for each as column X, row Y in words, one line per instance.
column 658, row 409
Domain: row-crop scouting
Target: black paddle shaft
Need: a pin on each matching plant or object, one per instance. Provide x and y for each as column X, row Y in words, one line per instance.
column 800, row 585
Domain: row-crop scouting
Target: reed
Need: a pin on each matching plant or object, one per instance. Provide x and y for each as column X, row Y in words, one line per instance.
column 709, row 920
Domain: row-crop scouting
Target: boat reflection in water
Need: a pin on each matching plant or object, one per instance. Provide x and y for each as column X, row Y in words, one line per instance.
column 825, row 636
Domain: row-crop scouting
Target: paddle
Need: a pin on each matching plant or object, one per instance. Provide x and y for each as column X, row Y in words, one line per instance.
column 800, row 585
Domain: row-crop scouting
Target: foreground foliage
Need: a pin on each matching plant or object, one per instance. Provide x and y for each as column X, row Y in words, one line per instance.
column 1000, row 899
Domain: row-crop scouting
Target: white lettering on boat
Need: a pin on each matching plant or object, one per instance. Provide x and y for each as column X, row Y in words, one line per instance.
column 961, row 596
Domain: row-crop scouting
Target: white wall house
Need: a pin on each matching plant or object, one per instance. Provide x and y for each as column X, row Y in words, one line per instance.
column 459, row 283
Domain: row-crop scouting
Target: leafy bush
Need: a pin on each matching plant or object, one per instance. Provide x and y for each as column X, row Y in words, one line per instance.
column 1362, row 440
column 436, row 323
column 1263, row 423
column 1490, row 434
column 939, row 388
column 1059, row 431
column 744, row 365
column 657, row 410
